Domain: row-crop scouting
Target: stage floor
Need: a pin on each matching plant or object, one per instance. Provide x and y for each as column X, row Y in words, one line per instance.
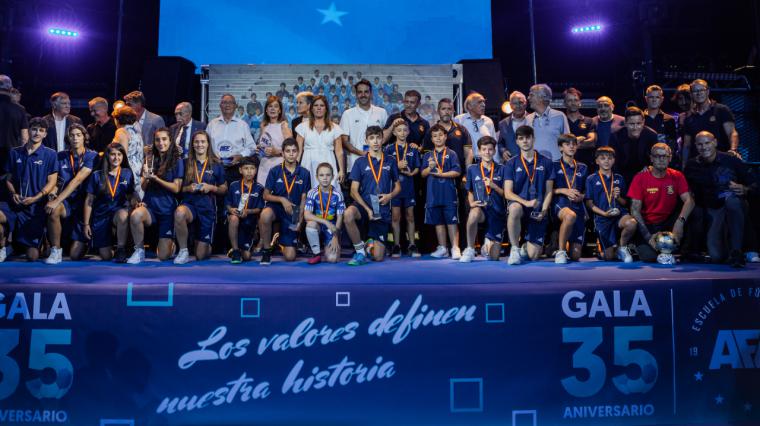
column 403, row 271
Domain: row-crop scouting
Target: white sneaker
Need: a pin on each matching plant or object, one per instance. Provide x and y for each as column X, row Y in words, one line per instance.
column 624, row 254
column 456, row 253
column 56, row 256
column 468, row 255
column 440, row 252
column 137, row 257
column 5, row 252
column 514, row 256
column 752, row 257
column 485, row 249
column 182, row 257
column 666, row 259
column 524, row 251
column 561, row 257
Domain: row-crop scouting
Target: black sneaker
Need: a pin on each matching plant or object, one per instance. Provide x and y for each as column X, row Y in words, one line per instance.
column 396, row 251
column 266, row 257
column 236, row 257
column 413, row 252
column 736, row 259
column 121, row 255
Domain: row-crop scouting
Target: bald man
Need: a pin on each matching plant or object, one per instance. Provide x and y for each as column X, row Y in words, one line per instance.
column 606, row 121
column 185, row 126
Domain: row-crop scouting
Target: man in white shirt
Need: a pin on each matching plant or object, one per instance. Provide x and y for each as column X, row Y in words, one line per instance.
column 149, row 122
column 355, row 121
column 477, row 123
column 59, row 121
column 547, row 122
column 231, row 137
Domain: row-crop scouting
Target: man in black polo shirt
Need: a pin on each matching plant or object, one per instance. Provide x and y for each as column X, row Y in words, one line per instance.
column 711, row 116
column 663, row 124
column 14, row 125
column 418, row 126
column 719, row 182
column 457, row 136
column 103, row 129
column 632, row 144
column 580, row 126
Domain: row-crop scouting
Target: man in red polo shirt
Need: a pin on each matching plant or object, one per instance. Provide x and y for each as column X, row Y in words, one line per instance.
column 655, row 193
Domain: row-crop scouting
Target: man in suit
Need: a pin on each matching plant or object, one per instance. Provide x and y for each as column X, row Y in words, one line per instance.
column 149, row 122
column 59, row 121
column 507, row 140
column 182, row 130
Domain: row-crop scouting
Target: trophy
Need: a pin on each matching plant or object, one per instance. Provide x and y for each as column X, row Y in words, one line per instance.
column 294, row 218
column 480, row 191
column 264, row 143
column 665, row 242
column 243, row 202
column 533, row 195
column 375, row 200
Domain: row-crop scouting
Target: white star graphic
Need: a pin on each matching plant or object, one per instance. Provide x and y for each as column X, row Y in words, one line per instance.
column 698, row 376
column 719, row 399
column 747, row 407
column 332, row 15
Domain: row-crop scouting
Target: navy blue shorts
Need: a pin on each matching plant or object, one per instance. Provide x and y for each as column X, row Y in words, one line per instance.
column 534, row 230
column 403, row 202
column 245, row 232
column 74, row 221
column 10, row 218
column 442, row 215
column 578, row 232
column 102, row 231
column 376, row 229
column 204, row 222
column 164, row 223
column 495, row 225
column 27, row 223
column 288, row 237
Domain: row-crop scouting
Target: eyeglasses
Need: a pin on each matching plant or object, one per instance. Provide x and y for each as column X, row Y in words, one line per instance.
column 660, row 157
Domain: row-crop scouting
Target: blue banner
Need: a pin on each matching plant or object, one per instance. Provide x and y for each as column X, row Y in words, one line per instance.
column 606, row 353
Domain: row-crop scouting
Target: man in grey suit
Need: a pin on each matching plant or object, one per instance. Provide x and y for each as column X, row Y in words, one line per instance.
column 507, row 140
column 59, row 121
column 149, row 122
column 182, row 130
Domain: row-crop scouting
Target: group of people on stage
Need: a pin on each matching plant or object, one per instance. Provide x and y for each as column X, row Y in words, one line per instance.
column 634, row 181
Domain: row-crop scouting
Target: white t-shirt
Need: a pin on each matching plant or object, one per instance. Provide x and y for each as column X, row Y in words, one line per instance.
column 60, row 134
column 354, row 123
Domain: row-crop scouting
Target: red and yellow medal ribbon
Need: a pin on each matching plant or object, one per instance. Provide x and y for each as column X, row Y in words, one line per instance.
column 379, row 174
column 570, row 184
column 242, row 191
column 288, row 186
column 406, row 147
column 112, row 188
column 322, row 206
column 442, row 164
column 490, row 176
column 531, row 176
column 608, row 194
column 199, row 176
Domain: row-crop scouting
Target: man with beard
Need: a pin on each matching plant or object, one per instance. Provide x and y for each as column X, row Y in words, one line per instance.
column 580, row 126
column 457, row 136
column 632, row 144
column 606, row 122
column 507, row 140
column 418, row 126
column 355, row 121
column 711, row 116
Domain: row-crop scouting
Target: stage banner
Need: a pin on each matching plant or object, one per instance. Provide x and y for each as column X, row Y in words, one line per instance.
column 606, row 353
column 252, row 84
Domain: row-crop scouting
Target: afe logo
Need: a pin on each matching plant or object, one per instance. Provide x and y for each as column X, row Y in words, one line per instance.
column 734, row 349
column 574, row 306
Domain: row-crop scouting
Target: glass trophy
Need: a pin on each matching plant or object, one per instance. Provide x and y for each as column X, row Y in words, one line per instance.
column 264, row 143
column 243, row 202
column 533, row 195
column 480, row 191
column 294, row 218
column 375, row 200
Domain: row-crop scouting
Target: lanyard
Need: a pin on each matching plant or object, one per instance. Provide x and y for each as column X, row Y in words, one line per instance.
column 242, row 191
column 531, row 176
column 379, row 174
column 112, row 188
column 322, row 206
column 490, row 177
column 288, row 186
column 199, row 177
column 570, row 184
column 608, row 194
column 442, row 164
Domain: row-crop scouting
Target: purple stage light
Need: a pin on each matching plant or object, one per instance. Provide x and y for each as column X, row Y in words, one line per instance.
column 590, row 28
column 61, row 32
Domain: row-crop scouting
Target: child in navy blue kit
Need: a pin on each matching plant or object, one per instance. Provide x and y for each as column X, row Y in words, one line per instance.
column 614, row 226
column 528, row 185
column 285, row 195
column 569, row 211
column 33, row 174
column 485, row 194
column 374, row 183
column 441, row 169
column 408, row 163
column 161, row 181
column 203, row 181
column 107, row 204
column 244, row 201
column 324, row 216
column 67, row 200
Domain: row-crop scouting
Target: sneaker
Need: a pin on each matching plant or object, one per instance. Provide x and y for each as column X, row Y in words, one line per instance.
column 396, row 251
column 440, row 252
column 56, row 256
column 485, row 249
column 736, row 259
column 121, row 255
column 314, row 260
column 751, row 256
column 524, row 251
column 413, row 251
column 468, row 255
column 236, row 257
column 666, row 259
column 137, row 257
column 3, row 254
column 358, row 259
column 266, row 257
column 456, row 253
column 182, row 257
column 514, row 257
column 561, row 257
column 624, row 254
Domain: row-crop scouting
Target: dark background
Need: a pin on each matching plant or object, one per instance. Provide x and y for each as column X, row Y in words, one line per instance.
column 692, row 36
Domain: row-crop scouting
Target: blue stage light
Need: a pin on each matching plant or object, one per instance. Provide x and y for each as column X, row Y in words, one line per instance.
column 586, row 29
column 63, row 32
